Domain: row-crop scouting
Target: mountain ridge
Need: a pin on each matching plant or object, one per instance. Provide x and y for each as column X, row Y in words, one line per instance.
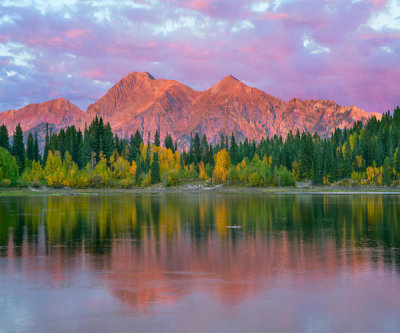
column 140, row 101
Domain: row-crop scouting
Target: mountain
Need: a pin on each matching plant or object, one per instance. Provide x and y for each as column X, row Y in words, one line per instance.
column 57, row 111
column 139, row 101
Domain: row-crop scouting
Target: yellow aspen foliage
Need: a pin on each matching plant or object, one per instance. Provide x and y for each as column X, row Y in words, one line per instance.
column 168, row 160
column 358, row 162
column 267, row 160
column 222, row 165
column 120, row 168
column 34, row 172
column 53, row 169
column 69, row 172
column 353, row 139
column 101, row 174
column 202, row 171
column 374, row 175
column 241, row 166
column 132, row 168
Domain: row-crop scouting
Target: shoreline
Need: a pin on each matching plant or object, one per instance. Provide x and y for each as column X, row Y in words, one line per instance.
column 199, row 189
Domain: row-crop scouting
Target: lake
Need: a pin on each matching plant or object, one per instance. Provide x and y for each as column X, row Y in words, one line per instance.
column 200, row 263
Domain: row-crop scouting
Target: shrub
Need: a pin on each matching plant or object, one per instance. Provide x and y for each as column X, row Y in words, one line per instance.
column 254, row 179
column 233, row 175
column 172, row 178
column 209, row 170
column 286, row 178
column 8, row 167
column 96, row 181
column 127, row 183
column 146, row 181
column 5, row 182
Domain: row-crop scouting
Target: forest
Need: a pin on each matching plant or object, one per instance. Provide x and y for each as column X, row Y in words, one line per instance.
column 363, row 155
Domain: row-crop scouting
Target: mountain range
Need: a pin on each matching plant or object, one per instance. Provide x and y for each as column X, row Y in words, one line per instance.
column 139, row 101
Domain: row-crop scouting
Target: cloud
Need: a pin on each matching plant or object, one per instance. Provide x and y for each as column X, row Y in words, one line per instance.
column 342, row 50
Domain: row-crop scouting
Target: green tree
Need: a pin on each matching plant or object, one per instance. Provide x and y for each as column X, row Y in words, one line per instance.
column 317, row 165
column 387, row 180
column 107, row 141
column 168, row 143
column 4, row 140
column 30, row 148
column 155, row 169
column 36, row 153
column 306, row 156
column 157, row 139
column 196, row 150
column 234, row 151
column 8, row 168
column 134, row 147
column 85, row 152
column 18, row 148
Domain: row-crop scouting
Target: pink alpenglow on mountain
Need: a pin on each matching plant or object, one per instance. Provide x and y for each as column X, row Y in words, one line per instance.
column 139, row 101
column 57, row 111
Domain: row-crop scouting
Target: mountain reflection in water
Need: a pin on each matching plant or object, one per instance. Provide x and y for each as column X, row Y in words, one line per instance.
column 171, row 262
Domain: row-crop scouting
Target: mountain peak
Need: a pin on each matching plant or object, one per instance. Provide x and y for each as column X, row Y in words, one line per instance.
column 228, row 83
column 140, row 75
column 230, row 77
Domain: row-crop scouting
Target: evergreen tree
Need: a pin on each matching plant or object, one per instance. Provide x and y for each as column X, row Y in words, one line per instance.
column 85, row 152
column 46, row 145
column 36, row 153
column 4, row 140
column 108, row 141
column 155, row 169
column 157, row 139
column 168, row 143
column 30, row 148
column 234, row 151
column 18, row 148
column 134, row 147
column 306, row 156
column 317, row 166
column 148, row 158
column 387, row 172
column 196, row 150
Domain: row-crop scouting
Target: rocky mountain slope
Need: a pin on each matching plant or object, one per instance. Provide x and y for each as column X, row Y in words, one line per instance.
column 139, row 101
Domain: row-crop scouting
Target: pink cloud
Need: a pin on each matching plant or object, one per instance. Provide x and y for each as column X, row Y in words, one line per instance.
column 76, row 33
column 206, row 41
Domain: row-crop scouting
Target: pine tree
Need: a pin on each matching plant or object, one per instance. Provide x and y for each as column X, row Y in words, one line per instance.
column 85, row 152
column 317, row 166
column 168, row 143
column 306, row 156
column 148, row 152
column 233, row 151
column 134, row 147
column 30, row 148
column 157, row 139
column 4, row 140
column 108, row 141
column 138, row 173
column 46, row 145
column 36, row 153
column 18, row 148
column 387, row 172
column 155, row 169
column 196, row 150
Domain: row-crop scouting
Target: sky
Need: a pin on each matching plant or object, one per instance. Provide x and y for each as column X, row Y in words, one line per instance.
column 345, row 50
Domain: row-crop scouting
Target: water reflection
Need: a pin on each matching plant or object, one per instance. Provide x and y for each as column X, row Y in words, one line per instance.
column 150, row 252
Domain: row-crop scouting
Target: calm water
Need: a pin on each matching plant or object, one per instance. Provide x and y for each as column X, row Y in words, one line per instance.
column 173, row 263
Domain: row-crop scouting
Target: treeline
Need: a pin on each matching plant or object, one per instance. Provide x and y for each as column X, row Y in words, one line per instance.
column 362, row 155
